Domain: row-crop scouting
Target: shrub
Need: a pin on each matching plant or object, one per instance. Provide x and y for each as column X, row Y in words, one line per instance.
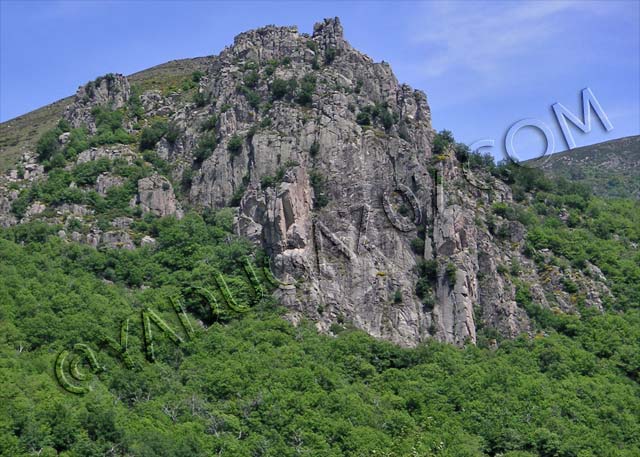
column 251, row 79
column 271, row 67
column 188, row 84
column 442, row 141
column 85, row 174
column 209, row 123
column 173, row 132
column 187, row 179
column 201, row 99
column 397, row 296
column 502, row 209
column 462, row 152
column 234, row 146
column 151, row 135
column 266, row 106
column 387, row 118
column 428, row 301
column 57, row 161
column 265, row 123
column 160, row 164
column 378, row 112
column 319, row 184
column 77, row 143
column 268, row 181
column 253, row 98
column 307, row 87
column 483, row 161
column 196, row 76
column 20, row 204
column 134, row 105
column 109, row 127
column 450, row 272
column 516, row 268
column 64, row 125
column 330, row 55
column 48, row 144
column 206, row 146
column 423, row 288
column 363, row 118
column 569, row 286
column 315, row 148
column 34, row 232
column 280, row 88
column 428, row 269
column 106, row 118
column 417, row 245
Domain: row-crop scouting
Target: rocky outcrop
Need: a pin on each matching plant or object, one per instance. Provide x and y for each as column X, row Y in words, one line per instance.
column 34, row 209
column 155, row 195
column 7, row 219
column 329, row 163
column 112, row 91
column 342, row 191
column 117, row 240
column 106, row 181
column 110, row 152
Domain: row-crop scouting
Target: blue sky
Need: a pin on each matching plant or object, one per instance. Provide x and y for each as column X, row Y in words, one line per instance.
column 484, row 66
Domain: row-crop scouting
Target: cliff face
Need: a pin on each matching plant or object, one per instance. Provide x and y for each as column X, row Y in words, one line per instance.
column 328, row 162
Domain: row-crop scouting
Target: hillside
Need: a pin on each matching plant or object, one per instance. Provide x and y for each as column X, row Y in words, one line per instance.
column 20, row 134
column 611, row 168
column 332, row 168
column 271, row 252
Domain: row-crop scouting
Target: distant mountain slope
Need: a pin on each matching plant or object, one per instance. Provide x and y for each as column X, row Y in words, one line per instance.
column 21, row 133
column 611, row 168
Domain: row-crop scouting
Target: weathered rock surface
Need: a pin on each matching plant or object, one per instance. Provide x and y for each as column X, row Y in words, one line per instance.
column 336, row 179
column 106, row 181
column 155, row 195
column 110, row 152
column 6, row 218
column 111, row 91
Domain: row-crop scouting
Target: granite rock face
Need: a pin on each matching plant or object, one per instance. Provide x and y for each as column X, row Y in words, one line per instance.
column 155, row 195
column 331, row 223
column 329, row 163
column 111, row 91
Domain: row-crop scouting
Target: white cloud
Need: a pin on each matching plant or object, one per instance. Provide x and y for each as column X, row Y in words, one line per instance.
column 482, row 36
column 488, row 49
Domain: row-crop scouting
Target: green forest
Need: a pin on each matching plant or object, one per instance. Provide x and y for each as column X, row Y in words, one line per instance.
column 245, row 382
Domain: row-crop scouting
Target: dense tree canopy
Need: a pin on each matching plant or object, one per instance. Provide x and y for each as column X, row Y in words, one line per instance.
column 228, row 376
column 252, row 384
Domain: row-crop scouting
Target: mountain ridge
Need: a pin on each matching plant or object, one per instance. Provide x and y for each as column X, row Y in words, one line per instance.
column 277, row 255
column 610, row 168
column 331, row 167
column 21, row 132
